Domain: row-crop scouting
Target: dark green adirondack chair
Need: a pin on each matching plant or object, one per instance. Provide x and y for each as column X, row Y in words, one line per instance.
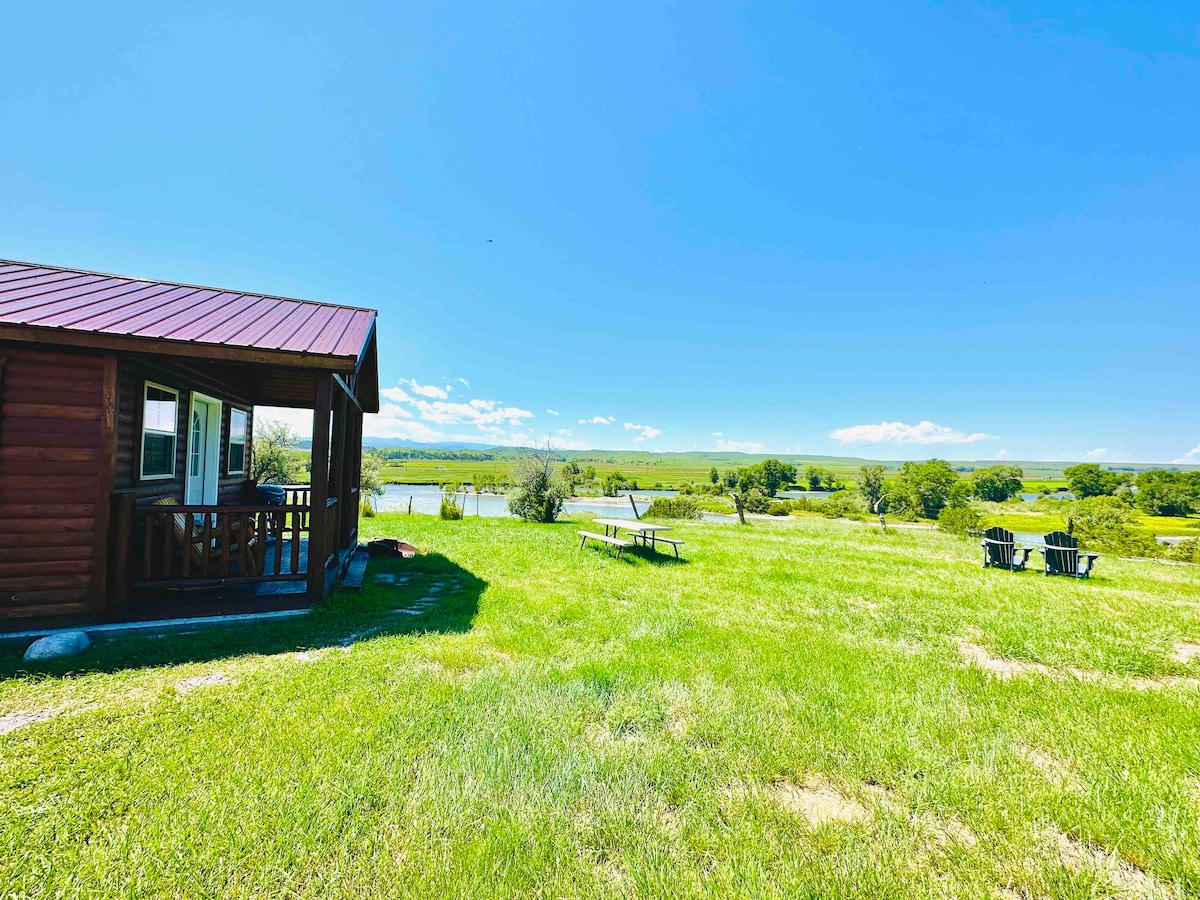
column 1000, row 550
column 1063, row 556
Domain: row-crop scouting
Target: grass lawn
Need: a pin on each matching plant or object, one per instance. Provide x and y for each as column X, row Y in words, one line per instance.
column 802, row 708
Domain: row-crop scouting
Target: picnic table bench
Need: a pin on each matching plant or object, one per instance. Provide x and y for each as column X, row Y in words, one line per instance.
column 649, row 535
column 605, row 538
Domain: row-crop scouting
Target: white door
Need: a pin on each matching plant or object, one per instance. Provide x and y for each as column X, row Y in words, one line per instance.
column 198, row 474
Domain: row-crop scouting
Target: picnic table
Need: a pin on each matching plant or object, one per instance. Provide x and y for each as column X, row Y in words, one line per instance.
column 640, row 531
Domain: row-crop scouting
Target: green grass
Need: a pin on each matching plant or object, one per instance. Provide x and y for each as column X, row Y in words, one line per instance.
column 566, row 724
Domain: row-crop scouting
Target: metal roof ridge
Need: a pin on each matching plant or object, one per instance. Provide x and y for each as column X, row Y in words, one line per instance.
column 202, row 287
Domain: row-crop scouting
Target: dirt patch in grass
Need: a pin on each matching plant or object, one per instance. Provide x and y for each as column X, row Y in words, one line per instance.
column 200, row 681
column 1186, row 651
column 21, row 718
column 1128, row 879
column 819, row 803
column 1003, row 669
column 944, row 830
column 1055, row 771
column 998, row 666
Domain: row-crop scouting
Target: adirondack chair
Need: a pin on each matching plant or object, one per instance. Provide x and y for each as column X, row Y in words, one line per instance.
column 189, row 536
column 1063, row 556
column 1000, row 550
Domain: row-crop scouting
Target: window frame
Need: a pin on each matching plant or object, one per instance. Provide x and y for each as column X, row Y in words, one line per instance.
column 142, row 431
column 245, row 442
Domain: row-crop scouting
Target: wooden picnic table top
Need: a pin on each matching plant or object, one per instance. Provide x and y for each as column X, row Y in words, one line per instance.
column 633, row 525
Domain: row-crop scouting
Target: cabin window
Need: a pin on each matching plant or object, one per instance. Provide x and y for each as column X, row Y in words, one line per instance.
column 160, row 410
column 237, row 441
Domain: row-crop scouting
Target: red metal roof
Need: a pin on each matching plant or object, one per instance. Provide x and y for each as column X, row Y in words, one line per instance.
column 117, row 305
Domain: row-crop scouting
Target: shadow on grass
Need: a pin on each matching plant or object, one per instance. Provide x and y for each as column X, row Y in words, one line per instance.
column 344, row 619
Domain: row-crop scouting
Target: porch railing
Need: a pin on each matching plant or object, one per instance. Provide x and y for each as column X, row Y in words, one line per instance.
column 178, row 546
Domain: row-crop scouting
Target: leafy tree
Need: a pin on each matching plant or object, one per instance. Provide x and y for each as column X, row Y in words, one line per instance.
column 1164, row 493
column 572, row 475
column 927, row 485
column 767, row 476
column 273, row 460
column 960, row 495
column 870, row 485
column 998, row 483
column 714, row 476
column 371, row 475
column 820, row 479
column 537, row 496
column 613, row 482
column 1089, row 480
column 730, row 478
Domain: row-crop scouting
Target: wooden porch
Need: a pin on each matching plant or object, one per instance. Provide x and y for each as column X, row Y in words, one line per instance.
column 177, row 559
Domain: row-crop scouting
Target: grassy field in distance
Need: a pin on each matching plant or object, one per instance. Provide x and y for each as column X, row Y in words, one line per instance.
column 799, row 708
column 674, row 469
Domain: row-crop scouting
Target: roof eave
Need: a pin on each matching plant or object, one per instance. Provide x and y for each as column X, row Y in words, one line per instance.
column 166, row 346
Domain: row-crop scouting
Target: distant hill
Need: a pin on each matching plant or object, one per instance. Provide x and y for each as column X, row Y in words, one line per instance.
column 410, row 445
column 674, row 465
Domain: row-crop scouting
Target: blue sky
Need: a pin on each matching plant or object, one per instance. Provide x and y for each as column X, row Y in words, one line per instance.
column 889, row 230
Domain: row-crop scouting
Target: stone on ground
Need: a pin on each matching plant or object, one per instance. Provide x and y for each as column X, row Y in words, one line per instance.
column 57, row 646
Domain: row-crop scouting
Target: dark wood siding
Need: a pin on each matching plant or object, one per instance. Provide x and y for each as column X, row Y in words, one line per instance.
column 56, row 449
column 229, row 384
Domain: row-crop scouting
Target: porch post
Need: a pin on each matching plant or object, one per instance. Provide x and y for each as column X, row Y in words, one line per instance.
column 337, row 467
column 352, row 475
column 318, row 521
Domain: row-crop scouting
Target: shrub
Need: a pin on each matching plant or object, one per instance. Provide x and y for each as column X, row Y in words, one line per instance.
column 368, row 511
column 1184, row 551
column 537, row 496
column 961, row 520
column 450, row 510
column 674, row 508
column 839, row 505
column 756, row 502
column 1106, row 523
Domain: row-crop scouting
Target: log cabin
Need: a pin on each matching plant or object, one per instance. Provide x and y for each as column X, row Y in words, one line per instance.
column 126, row 416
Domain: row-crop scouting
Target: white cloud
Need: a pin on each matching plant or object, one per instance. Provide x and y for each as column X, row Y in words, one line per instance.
column 1097, row 453
column 427, row 420
column 718, row 434
column 1192, row 456
column 429, row 390
column 647, row 431
column 464, row 382
column 899, row 432
column 562, row 432
column 740, row 446
column 1001, row 454
column 597, row 420
column 553, row 412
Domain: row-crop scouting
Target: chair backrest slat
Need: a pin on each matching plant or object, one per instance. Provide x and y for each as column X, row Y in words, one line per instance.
column 1062, row 553
column 1000, row 545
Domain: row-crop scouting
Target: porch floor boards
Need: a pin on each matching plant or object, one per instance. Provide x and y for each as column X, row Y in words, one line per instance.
column 234, row 599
